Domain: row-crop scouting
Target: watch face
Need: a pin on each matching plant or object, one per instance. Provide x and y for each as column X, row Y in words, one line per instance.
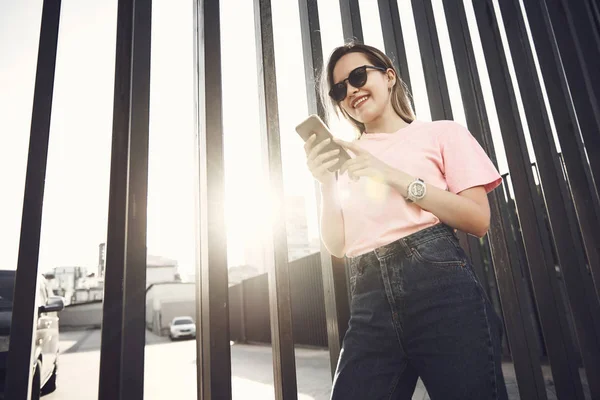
column 418, row 189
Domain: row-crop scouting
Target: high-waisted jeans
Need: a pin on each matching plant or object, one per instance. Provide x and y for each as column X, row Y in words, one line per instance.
column 418, row 310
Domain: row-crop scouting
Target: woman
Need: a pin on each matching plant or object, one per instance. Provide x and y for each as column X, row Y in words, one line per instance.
column 417, row 308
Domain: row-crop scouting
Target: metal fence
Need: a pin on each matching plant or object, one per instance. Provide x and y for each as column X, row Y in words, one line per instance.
column 557, row 225
column 249, row 319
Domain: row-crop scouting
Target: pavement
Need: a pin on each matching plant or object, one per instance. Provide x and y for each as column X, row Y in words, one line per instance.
column 170, row 371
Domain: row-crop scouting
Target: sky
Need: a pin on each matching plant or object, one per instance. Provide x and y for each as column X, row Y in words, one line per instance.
column 76, row 192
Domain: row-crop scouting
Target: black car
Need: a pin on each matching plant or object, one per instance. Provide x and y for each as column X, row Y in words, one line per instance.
column 46, row 342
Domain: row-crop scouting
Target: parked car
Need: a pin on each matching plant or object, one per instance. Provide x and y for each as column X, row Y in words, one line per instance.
column 45, row 367
column 182, row 327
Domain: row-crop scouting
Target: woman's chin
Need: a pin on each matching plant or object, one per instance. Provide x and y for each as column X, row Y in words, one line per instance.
column 366, row 116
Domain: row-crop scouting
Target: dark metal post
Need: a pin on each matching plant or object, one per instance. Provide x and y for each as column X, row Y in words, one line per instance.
column 573, row 46
column 20, row 355
column 556, row 332
column 334, row 270
column 431, row 56
column 582, row 17
column 594, row 6
column 280, row 298
column 213, row 359
column 123, row 325
column 134, row 288
column 393, row 38
column 564, row 229
column 565, row 119
column 519, row 326
column 112, row 308
column 351, row 24
column 438, row 95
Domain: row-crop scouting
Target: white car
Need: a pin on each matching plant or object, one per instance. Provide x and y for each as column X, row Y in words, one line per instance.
column 182, row 327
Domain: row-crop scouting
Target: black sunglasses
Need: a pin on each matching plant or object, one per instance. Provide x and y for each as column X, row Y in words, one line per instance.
column 357, row 78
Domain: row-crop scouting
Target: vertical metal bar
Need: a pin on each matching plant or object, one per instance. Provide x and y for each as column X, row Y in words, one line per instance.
column 351, row 24
column 573, row 46
column 214, row 353
column 134, row 288
column 393, row 38
column 594, row 6
column 280, row 297
column 112, row 311
column 437, row 90
column 334, row 270
column 519, row 326
column 583, row 16
column 199, row 192
column 24, row 312
column 123, row 327
column 564, row 229
column 565, row 120
column 556, row 331
column 431, row 56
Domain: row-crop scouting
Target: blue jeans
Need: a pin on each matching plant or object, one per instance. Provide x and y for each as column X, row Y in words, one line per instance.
column 418, row 311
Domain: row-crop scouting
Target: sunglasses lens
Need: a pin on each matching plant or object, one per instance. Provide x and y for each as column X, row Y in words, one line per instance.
column 358, row 77
column 338, row 92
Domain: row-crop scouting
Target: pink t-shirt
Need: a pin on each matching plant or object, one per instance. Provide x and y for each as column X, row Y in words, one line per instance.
column 442, row 153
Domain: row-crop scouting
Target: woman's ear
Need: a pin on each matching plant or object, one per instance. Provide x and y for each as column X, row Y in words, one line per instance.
column 391, row 75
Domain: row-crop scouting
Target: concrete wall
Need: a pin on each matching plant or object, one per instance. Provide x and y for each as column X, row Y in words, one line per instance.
column 81, row 316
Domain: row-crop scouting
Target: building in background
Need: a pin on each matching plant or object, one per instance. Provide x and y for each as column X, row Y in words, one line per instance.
column 161, row 269
column 63, row 281
column 101, row 259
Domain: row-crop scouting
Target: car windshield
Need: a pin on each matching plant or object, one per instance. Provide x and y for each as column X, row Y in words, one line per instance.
column 183, row 321
column 6, row 293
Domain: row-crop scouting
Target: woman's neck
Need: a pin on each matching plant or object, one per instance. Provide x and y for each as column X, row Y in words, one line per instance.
column 389, row 122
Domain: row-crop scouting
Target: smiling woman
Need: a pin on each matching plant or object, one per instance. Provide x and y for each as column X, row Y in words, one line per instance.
column 408, row 274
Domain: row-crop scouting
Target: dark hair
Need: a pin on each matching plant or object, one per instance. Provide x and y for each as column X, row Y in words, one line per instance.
column 399, row 96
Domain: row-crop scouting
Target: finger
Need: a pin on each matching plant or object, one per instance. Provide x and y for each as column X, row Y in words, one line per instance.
column 345, row 165
column 325, row 166
column 317, row 149
column 309, row 143
column 351, row 163
column 352, row 146
column 355, row 173
column 357, row 166
column 325, row 156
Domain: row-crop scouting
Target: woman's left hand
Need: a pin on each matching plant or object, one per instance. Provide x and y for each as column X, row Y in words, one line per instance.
column 365, row 164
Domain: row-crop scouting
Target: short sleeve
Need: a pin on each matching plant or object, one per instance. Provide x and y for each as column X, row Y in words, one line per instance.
column 465, row 163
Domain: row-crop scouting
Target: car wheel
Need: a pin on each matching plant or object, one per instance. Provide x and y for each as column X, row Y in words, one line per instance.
column 35, row 387
column 50, row 386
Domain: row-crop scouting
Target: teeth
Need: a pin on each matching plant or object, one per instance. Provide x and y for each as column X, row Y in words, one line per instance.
column 359, row 101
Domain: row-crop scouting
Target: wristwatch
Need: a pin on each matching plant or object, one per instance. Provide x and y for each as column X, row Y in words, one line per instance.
column 416, row 190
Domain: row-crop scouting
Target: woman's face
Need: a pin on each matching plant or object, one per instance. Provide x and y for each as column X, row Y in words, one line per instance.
column 369, row 102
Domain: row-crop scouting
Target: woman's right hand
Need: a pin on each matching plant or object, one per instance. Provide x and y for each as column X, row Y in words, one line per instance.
column 318, row 163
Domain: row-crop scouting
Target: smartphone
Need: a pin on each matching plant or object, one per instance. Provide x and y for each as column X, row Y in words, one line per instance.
column 315, row 125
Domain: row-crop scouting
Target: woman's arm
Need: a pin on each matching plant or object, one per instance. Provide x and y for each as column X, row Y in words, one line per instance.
column 468, row 211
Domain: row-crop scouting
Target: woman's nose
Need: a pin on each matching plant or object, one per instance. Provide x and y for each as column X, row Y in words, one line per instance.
column 351, row 89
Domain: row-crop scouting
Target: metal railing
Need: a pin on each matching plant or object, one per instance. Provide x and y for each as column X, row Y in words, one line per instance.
column 565, row 34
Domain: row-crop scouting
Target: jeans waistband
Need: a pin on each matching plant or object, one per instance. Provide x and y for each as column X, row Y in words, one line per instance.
column 405, row 244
